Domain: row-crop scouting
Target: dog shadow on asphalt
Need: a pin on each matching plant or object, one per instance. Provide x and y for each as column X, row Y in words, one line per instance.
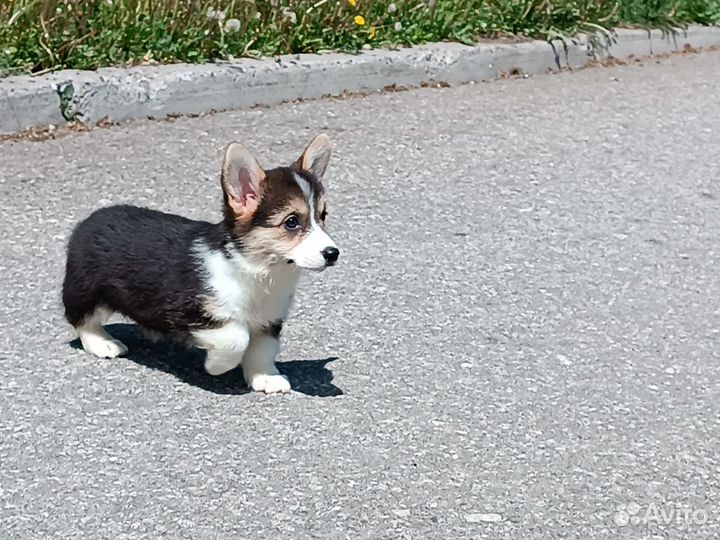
column 309, row 377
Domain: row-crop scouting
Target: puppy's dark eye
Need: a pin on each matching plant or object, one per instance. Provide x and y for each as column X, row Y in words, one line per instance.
column 323, row 215
column 292, row 223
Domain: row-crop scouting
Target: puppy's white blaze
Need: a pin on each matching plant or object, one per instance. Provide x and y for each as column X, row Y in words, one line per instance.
column 305, row 187
column 308, row 253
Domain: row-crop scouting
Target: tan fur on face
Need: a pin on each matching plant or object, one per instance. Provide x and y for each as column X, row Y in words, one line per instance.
column 257, row 202
column 274, row 239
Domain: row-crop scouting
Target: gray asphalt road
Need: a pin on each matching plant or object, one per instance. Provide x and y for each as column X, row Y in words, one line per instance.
column 521, row 335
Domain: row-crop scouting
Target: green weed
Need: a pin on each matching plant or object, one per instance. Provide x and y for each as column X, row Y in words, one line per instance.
column 43, row 35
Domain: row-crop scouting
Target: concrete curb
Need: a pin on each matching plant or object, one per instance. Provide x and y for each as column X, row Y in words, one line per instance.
column 158, row 91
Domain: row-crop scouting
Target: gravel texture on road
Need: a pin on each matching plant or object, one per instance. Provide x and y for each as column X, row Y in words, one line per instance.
column 520, row 337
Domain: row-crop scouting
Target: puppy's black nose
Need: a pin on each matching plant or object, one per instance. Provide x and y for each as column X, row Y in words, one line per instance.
column 330, row 254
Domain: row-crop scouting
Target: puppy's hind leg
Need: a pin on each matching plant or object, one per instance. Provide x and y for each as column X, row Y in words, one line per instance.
column 84, row 308
column 95, row 339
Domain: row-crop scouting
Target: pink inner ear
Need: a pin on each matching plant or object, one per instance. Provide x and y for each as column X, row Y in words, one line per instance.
column 247, row 189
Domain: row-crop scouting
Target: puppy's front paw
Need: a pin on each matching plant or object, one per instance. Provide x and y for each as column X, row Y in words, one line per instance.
column 270, row 384
column 217, row 366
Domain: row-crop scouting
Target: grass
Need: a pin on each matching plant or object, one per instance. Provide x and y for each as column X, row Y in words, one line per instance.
column 43, row 35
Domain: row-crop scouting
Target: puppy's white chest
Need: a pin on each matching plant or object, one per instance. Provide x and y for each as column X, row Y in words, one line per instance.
column 247, row 297
column 271, row 299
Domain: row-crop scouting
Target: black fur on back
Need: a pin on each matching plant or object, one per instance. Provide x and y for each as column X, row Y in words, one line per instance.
column 141, row 263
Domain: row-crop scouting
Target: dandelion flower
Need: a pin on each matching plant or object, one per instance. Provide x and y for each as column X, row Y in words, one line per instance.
column 373, row 32
column 289, row 15
column 359, row 20
column 353, row 3
column 392, row 8
column 216, row 14
column 232, row 25
column 398, row 26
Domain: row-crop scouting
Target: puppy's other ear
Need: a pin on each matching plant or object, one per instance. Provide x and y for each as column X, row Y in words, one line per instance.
column 316, row 156
column 242, row 181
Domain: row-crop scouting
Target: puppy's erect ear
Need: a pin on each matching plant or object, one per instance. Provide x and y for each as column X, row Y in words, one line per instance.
column 316, row 156
column 242, row 181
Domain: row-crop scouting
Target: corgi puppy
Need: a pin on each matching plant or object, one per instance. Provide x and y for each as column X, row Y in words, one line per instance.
column 224, row 287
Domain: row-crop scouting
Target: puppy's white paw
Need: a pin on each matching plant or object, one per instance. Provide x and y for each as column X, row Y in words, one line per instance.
column 270, row 384
column 218, row 366
column 103, row 347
